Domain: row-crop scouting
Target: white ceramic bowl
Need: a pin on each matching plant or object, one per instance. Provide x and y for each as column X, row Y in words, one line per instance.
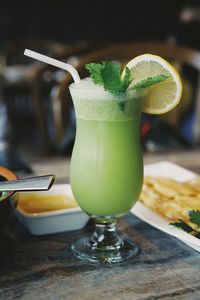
column 53, row 221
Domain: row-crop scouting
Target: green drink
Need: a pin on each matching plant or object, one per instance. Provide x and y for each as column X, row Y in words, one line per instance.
column 106, row 166
column 107, row 173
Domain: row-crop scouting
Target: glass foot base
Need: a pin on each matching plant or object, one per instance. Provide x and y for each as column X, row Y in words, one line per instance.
column 83, row 250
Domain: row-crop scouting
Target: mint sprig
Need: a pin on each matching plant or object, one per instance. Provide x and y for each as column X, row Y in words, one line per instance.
column 111, row 78
column 127, row 78
column 145, row 83
column 95, row 72
column 108, row 74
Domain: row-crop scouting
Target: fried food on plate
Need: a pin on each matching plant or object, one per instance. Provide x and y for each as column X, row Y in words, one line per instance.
column 170, row 198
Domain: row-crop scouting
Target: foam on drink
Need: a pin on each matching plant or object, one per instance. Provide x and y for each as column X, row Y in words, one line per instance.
column 92, row 102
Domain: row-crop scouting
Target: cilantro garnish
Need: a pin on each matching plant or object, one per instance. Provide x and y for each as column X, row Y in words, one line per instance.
column 108, row 74
column 182, row 225
column 194, row 217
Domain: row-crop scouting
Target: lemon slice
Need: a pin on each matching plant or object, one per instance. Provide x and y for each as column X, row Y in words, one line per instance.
column 161, row 97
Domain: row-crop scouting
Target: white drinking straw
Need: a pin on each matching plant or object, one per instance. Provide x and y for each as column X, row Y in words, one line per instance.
column 54, row 62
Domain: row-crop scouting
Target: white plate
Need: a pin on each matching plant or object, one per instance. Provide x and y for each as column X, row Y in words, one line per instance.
column 173, row 171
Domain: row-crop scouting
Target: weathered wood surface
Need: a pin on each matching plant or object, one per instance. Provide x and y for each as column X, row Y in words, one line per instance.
column 44, row 267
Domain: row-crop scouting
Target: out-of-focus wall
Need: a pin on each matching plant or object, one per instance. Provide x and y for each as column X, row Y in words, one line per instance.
column 69, row 21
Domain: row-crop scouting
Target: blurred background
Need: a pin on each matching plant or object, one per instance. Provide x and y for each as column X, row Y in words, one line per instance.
column 36, row 113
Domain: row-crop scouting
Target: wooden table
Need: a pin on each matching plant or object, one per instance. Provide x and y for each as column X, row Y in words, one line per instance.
column 44, row 268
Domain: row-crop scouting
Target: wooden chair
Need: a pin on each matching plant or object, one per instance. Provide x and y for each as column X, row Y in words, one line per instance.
column 21, row 84
column 30, row 81
column 123, row 52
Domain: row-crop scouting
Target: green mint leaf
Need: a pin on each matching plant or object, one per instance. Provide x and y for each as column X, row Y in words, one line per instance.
column 145, row 83
column 182, row 225
column 111, row 78
column 194, row 216
column 127, row 78
column 108, row 75
column 95, row 72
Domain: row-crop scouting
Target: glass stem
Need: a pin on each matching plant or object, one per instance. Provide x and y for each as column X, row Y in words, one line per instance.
column 105, row 236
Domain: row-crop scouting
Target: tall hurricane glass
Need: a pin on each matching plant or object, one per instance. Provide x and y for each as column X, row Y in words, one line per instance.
column 106, row 167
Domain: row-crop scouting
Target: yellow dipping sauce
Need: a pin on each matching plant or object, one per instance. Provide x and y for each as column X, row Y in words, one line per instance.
column 38, row 203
